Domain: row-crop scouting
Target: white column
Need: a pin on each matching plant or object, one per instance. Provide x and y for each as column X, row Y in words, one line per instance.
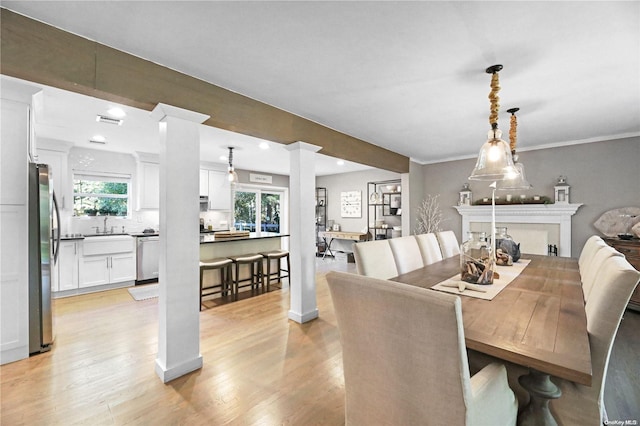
column 302, row 184
column 178, row 305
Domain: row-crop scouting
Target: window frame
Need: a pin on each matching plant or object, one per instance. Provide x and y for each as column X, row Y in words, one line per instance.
column 79, row 175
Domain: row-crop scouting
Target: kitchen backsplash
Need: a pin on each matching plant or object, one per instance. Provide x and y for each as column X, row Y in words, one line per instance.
column 87, row 225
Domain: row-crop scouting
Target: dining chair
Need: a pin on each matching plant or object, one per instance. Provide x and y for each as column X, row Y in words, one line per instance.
column 406, row 253
column 404, row 358
column 449, row 245
column 429, row 248
column 589, row 274
column 610, row 294
column 589, row 249
column 375, row 259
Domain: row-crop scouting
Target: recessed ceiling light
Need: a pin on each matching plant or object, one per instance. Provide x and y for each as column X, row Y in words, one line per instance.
column 223, row 158
column 98, row 139
column 116, row 112
column 340, row 162
column 264, row 145
column 108, row 120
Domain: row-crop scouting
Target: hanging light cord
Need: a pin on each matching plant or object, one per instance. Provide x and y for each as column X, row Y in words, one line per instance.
column 494, row 99
column 230, row 158
column 513, row 138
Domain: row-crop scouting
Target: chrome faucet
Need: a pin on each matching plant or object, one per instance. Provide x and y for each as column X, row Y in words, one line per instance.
column 104, row 230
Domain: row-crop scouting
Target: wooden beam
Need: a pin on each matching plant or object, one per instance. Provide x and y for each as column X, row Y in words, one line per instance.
column 34, row 51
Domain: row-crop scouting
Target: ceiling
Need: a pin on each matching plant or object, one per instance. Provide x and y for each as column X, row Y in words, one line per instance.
column 407, row 76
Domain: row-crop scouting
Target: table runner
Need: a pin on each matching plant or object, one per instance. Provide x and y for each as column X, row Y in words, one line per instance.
column 487, row 292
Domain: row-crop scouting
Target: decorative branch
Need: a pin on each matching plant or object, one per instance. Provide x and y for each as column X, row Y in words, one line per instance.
column 429, row 215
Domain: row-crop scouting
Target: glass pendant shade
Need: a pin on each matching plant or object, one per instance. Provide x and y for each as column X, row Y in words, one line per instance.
column 519, row 182
column 495, row 162
column 232, row 175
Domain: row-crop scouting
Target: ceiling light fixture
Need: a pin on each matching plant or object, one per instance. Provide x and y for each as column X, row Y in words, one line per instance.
column 116, row 112
column 99, row 139
column 494, row 160
column 520, row 181
column 108, row 120
column 232, row 175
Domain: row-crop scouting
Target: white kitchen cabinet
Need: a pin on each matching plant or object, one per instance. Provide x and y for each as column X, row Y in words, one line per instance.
column 58, row 174
column 148, row 185
column 93, row 271
column 68, row 265
column 107, row 260
column 219, row 190
column 204, row 183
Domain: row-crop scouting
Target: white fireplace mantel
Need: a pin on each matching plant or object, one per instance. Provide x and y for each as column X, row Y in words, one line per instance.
column 525, row 213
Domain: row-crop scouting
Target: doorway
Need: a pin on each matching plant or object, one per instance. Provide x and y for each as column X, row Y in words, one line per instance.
column 262, row 210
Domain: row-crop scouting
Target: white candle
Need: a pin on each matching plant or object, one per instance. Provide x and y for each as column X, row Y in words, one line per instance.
column 493, row 219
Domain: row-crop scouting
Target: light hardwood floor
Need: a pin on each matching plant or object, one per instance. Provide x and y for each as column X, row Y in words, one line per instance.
column 259, row 368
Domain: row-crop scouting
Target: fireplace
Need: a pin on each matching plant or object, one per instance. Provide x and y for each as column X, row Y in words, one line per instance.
column 532, row 225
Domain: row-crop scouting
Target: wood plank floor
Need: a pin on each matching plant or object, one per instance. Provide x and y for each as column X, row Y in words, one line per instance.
column 259, row 368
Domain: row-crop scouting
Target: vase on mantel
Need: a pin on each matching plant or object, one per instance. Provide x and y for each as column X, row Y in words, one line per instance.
column 476, row 263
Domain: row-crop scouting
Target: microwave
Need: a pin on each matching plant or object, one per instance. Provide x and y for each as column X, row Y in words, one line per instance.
column 204, row 203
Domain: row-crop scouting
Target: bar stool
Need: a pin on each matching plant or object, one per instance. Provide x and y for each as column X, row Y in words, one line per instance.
column 255, row 278
column 276, row 255
column 222, row 264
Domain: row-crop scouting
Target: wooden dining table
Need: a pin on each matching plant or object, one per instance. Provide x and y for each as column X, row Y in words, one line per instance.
column 537, row 321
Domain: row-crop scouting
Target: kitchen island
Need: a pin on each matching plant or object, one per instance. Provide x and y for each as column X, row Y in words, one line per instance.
column 210, row 248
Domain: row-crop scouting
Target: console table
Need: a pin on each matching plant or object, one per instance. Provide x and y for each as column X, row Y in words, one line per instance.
column 631, row 250
column 339, row 235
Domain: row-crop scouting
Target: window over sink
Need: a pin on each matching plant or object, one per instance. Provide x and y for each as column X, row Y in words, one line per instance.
column 101, row 194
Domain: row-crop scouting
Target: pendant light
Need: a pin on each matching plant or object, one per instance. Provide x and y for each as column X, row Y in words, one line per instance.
column 232, row 175
column 520, row 181
column 494, row 160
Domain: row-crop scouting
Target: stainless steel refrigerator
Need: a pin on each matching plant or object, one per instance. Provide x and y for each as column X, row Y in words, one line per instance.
column 44, row 242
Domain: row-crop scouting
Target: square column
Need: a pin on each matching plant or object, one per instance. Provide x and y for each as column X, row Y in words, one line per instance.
column 178, row 304
column 302, row 182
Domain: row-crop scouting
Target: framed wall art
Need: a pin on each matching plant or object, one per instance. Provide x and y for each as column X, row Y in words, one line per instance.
column 351, row 204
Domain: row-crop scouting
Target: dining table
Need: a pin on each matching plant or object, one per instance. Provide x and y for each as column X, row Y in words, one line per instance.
column 537, row 321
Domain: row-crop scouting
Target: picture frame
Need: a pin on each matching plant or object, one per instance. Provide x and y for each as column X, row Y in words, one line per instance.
column 351, row 204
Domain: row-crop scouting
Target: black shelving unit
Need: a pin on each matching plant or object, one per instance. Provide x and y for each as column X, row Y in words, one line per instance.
column 321, row 219
column 383, row 205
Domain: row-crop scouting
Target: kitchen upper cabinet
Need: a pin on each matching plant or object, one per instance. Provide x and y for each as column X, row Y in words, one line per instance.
column 68, row 265
column 219, row 191
column 204, row 183
column 59, row 175
column 148, row 185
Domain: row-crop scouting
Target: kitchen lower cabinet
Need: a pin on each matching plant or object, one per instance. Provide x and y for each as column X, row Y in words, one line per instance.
column 68, row 265
column 107, row 260
column 100, row 270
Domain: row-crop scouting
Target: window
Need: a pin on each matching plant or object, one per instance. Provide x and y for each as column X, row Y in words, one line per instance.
column 258, row 210
column 106, row 195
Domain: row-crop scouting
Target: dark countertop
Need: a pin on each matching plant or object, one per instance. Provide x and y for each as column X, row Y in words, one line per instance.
column 144, row 234
column 208, row 238
column 69, row 237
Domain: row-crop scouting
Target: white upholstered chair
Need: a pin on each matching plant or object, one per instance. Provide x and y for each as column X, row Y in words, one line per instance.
column 583, row 405
column 405, row 361
column 406, row 253
column 375, row 259
column 449, row 245
column 590, row 273
column 429, row 248
column 589, row 249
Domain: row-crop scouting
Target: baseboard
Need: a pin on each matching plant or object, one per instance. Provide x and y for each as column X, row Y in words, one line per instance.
column 166, row 375
column 302, row 318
